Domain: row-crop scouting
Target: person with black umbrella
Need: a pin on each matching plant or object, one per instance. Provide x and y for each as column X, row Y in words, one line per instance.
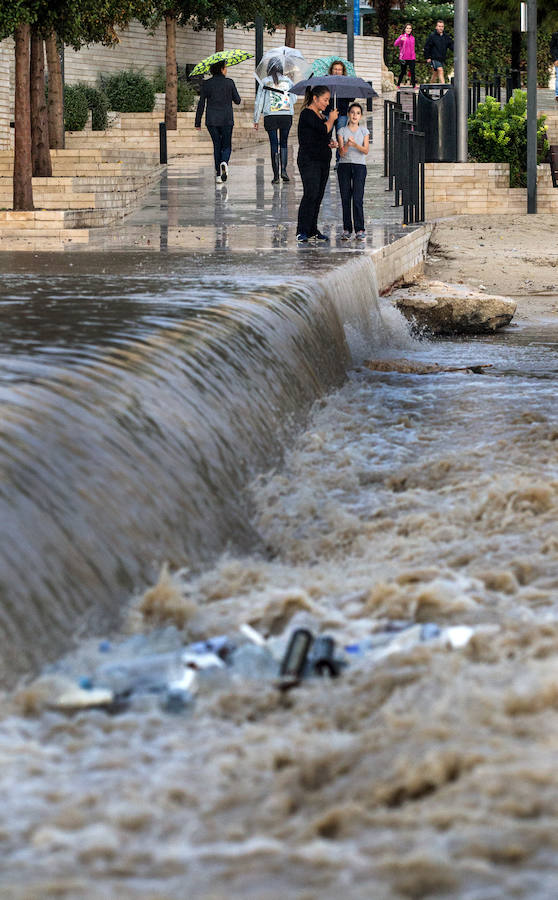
column 314, row 159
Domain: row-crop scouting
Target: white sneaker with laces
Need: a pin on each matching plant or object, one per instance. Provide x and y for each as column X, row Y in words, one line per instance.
column 218, row 179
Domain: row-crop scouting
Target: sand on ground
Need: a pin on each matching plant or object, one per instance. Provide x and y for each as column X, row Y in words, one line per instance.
column 516, row 257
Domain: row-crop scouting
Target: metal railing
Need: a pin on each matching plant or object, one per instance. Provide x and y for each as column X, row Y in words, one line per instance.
column 498, row 85
column 404, row 161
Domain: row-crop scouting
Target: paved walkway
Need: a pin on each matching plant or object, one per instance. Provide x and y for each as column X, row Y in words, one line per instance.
column 189, row 212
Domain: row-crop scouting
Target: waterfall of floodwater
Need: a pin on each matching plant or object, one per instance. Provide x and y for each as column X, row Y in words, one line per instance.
column 405, row 500
column 140, row 454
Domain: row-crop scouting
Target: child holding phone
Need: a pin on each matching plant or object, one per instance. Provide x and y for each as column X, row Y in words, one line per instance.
column 354, row 141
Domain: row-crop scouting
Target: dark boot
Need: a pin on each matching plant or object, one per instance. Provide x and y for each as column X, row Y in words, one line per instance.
column 275, row 164
column 284, row 155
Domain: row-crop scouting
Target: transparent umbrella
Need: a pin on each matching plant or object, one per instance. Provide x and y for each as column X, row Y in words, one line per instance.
column 291, row 61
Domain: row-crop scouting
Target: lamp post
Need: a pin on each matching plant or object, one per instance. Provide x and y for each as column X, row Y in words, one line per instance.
column 350, row 31
column 532, row 106
column 461, row 43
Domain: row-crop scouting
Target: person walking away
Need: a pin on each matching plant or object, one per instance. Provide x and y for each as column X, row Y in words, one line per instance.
column 354, row 141
column 554, row 54
column 277, row 105
column 314, row 159
column 407, row 55
column 218, row 93
column 436, row 49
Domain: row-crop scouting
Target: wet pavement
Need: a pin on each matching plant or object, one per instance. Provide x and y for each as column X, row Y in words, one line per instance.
column 189, row 212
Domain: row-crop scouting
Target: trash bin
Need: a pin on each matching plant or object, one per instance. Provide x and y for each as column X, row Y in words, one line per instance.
column 437, row 117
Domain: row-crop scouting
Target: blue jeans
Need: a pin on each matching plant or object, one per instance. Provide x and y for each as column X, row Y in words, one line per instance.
column 221, row 135
column 556, row 74
column 281, row 124
column 340, row 122
column 352, row 177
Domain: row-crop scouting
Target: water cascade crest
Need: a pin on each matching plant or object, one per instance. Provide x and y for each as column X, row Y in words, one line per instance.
column 141, row 455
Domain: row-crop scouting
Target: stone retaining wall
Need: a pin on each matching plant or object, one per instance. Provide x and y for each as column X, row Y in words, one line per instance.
column 142, row 50
column 453, row 189
column 402, row 258
column 145, row 51
column 6, row 99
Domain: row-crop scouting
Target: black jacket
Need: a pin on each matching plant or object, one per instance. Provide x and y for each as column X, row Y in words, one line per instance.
column 313, row 138
column 437, row 46
column 554, row 46
column 219, row 93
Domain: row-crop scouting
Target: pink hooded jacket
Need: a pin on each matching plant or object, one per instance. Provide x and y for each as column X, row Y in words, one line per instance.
column 407, row 47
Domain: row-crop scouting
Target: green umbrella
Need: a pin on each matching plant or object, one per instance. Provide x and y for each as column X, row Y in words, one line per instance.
column 230, row 57
column 322, row 65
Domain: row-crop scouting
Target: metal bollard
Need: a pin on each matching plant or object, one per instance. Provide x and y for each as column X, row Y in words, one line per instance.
column 162, row 143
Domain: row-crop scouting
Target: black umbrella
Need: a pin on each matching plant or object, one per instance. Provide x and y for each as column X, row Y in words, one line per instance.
column 339, row 85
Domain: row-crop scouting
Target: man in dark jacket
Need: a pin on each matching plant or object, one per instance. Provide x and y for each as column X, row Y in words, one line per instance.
column 219, row 93
column 436, row 49
column 554, row 55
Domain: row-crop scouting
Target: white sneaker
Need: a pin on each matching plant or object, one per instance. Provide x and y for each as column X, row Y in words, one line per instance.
column 218, row 179
column 224, row 171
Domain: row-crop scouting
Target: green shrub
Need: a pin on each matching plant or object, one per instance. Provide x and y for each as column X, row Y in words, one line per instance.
column 160, row 80
column 186, row 96
column 76, row 110
column 97, row 102
column 499, row 134
column 186, row 91
column 128, row 91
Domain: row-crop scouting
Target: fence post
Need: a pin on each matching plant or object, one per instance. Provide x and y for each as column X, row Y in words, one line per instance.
column 162, row 143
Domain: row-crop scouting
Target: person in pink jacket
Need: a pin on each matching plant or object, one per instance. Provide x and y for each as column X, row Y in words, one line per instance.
column 407, row 55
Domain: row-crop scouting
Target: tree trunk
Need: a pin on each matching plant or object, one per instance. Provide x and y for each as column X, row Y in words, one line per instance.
column 23, row 185
column 171, row 87
column 290, row 34
column 383, row 11
column 40, row 153
column 219, row 35
column 55, row 94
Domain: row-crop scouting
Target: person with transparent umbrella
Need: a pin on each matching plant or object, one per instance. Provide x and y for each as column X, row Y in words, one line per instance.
column 275, row 73
column 277, row 105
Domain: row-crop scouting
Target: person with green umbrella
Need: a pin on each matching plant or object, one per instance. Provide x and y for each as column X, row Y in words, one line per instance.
column 218, row 93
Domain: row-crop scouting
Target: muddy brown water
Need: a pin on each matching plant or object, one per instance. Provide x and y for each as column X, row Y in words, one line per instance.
column 428, row 498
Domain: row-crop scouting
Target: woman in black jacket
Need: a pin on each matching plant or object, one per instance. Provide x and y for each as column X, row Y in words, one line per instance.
column 314, row 158
column 219, row 93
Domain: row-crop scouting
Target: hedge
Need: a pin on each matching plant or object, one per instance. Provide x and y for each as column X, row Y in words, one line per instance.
column 76, row 110
column 128, row 91
column 97, row 102
column 499, row 134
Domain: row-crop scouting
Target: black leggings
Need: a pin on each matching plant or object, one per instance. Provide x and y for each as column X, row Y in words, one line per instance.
column 407, row 64
column 314, row 176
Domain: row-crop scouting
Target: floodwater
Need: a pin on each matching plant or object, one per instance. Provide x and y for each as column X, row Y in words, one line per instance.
column 423, row 498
